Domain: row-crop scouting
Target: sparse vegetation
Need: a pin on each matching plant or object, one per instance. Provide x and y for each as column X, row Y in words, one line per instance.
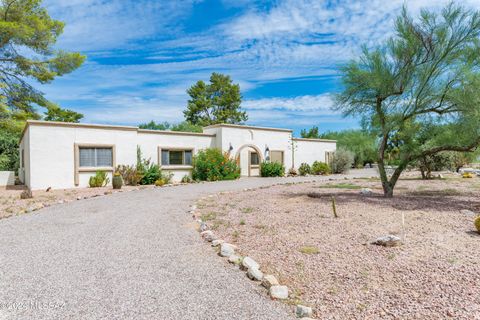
column 340, row 186
column 304, row 169
column 309, row 250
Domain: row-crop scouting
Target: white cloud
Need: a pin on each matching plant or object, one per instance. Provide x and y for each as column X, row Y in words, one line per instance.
column 318, row 103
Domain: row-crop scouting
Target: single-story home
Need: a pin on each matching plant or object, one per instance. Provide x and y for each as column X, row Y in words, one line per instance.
column 65, row 155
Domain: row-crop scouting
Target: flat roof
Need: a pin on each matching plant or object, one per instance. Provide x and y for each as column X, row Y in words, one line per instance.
column 107, row 127
column 314, row 140
column 241, row 126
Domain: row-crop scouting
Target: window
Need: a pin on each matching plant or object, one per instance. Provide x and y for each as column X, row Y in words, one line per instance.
column 276, row 156
column 23, row 158
column 254, row 159
column 95, row 157
column 176, row 157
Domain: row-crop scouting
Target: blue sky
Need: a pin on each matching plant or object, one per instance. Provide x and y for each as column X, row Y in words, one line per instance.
column 143, row 55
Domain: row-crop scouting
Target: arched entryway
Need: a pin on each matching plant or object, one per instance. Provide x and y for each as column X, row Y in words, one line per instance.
column 249, row 157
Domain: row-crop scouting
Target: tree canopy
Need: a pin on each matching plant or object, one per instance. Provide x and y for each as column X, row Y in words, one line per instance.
column 419, row 90
column 183, row 126
column 27, row 38
column 217, row 102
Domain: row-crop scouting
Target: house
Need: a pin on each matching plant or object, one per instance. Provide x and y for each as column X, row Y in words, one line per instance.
column 65, row 155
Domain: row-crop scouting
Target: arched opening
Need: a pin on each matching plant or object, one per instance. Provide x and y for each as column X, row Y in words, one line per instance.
column 249, row 157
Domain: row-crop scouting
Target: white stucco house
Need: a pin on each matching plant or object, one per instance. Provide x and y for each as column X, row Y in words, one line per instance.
column 65, row 155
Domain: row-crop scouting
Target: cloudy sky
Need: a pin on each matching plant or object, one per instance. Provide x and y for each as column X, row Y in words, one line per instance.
column 143, row 55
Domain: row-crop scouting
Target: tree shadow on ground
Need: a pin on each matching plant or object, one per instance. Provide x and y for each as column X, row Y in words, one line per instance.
column 426, row 201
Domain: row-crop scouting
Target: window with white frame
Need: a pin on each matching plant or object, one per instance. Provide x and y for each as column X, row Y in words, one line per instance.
column 172, row 157
column 95, row 157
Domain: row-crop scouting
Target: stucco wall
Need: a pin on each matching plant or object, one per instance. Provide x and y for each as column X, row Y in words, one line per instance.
column 309, row 151
column 7, row 178
column 24, row 171
column 52, row 152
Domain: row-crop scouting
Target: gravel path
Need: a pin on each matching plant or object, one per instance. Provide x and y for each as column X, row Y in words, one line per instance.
column 133, row 255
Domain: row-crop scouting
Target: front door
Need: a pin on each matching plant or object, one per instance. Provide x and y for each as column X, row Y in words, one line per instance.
column 253, row 164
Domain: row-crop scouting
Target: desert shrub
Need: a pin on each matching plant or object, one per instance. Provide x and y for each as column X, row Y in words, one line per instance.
column 319, row 167
column 272, row 169
column 292, row 172
column 342, row 161
column 150, row 172
column 477, row 223
column 100, row 179
column 304, row 169
column 212, row 165
column 187, row 179
column 129, row 174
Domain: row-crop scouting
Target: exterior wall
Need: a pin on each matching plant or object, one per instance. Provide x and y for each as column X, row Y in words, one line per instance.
column 150, row 143
column 49, row 149
column 24, row 171
column 7, row 178
column 52, row 152
column 310, row 150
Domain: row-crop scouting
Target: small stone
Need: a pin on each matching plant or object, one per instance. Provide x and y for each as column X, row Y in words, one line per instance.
column 303, row 311
column 248, row 263
column 208, row 235
column 79, row 198
column 388, row 241
column 468, row 213
column 60, row 201
column 255, row 274
column 203, row 226
column 279, row 292
column 226, row 250
column 366, row 191
column 107, row 192
column 216, row 243
column 269, row 281
column 234, row 259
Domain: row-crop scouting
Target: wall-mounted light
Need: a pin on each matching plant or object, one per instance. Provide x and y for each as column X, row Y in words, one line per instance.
column 267, row 153
column 230, row 149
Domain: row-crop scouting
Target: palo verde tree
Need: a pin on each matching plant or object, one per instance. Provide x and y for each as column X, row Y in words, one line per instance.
column 217, row 102
column 425, row 78
column 27, row 37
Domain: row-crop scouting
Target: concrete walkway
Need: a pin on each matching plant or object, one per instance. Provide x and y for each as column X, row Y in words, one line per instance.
column 130, row 255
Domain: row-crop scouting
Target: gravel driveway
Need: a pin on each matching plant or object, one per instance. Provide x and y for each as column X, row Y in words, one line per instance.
column 132, row 255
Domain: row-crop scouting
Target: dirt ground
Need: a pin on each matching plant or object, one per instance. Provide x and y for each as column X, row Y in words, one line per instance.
column 11, row 204
column 330, row 264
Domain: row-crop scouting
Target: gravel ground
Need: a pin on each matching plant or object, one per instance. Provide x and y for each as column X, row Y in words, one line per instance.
column 132, row 255
column 11, row 204
column 331, row 265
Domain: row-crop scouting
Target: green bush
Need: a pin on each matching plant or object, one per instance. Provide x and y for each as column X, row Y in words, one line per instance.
column 342, row 160
column 212, row 165
column 319, row 167
column 9, row 155
column 187, row 179
column 100, row 179
column 272, row 169
column 304, row 169
column 150, row 172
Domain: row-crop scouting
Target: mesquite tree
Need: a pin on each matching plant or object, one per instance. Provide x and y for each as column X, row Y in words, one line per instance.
column 420, row 90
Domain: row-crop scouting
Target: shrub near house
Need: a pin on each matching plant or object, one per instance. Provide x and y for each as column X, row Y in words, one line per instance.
column 272, row 169
column 212, row 165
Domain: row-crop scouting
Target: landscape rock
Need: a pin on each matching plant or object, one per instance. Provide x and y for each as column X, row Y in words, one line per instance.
column 203, row 226
column 303, row 311
column 279, row 292
column 226, row 250
column 248, row 263
column 366, row 191
column 234, row 259
column 79, row 198
column 208, row 235
column 216, row 243
column 255, row 274
column 388, row 241
column 468, row 213
column 269, row 281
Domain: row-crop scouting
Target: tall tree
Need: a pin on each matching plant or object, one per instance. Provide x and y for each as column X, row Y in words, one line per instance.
column 426, row 75
column 183, row 126
column 311, row 133
column 27, row 37
column 217, row 102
